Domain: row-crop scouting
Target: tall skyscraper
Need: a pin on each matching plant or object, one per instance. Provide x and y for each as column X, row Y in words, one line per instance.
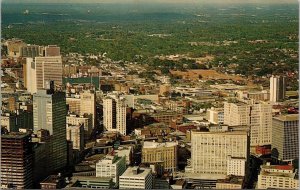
column 111, row 166
column 29, row 51
column 49, row 113
column 277, row 88
column 256, row 115
column 16, row 161
column 285, row 137
column 114, row 114
column 211, row 150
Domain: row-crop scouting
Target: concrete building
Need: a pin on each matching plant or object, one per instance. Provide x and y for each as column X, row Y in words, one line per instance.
column 236, row 166
column 215, row 115
column 52, row 51
column 114, row 114
column 210, row 151
column 285, row 134
column 166, row 153
column 256, row 95
column 75, row 133
column 88, row 104
column 74, row 104
column 30, row 51
column 277, row 88
column 48, row 69
column 13, row 47
column 231, row 182
column 256, row 115
column 85, row 120
column 49, row 113
column 136, row 178
column 30, row 75
column 277, row 177
column 111, row 166
column 16, row 161
column 8, row 121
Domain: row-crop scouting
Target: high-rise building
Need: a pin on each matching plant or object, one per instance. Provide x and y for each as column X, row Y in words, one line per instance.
column 29, row 51
column 277, row 88
column 16, row 161
column 285, row 135
column 114, row 114
column 52, row 50
column 30, row 75
column 49, row 113
column 75, row 133
column 277, row 177
column 48, row 69
column 111, row 166
column 85, row 120
column 210, row 151
column 136, row 178
column 166, row 153
column 256, row 115
column 88, row 104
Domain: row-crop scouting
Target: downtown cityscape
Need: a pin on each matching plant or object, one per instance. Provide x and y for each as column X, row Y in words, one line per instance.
column 149, row 95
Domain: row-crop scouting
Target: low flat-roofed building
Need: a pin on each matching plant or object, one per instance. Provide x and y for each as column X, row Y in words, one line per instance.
column 277, row 177
column 136, row 178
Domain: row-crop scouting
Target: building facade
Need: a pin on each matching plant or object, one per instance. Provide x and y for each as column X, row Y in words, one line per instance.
column 136, row 178
column 277, row 177
column 114, row 114
column 257, row 115
column 166, row 153
column 277, row 88
column 210, row 150
column 75, row 133
column 49, row 113
column 16, row 161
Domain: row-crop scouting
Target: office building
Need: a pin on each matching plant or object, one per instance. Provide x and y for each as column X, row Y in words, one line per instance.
column 16, row 161
column 236, row 166
column 231, row 182
column 85, row 120
column 166, row 153
column 210, row 151
column 49, row 113
column 8, row 121
column 75, row 133
column 30, row 51
column 277, row 88
column 111, row 166
column 136, row 178
column 215, row 115
column 74, row 104
column 277, row 177
column 13, row 47
column 52, row 51
column 256, row 115
column 285, row 134
column 48, row 69
column 114, row 114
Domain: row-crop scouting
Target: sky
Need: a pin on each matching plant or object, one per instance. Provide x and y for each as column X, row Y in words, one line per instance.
column 151, row 1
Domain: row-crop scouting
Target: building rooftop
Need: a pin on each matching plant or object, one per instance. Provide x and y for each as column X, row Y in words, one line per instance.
column 51, row 179
column 232, row 180
column 136, row 172
column 289, row 117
